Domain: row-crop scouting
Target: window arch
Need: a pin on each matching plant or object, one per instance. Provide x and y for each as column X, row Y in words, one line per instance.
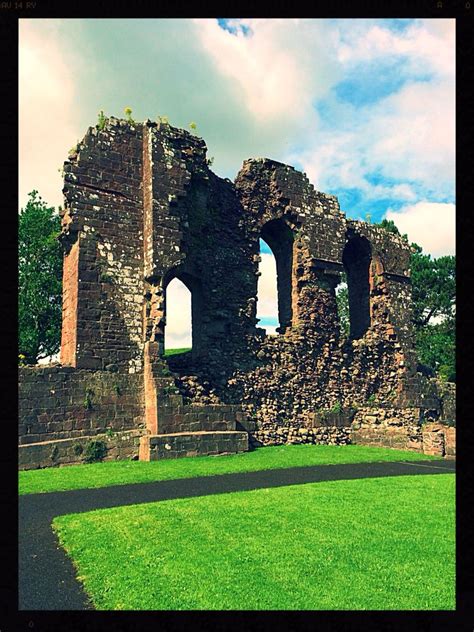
column 267, row 291
column 356, row 259
column 279, row 238
column 178, row 330
column 183, row 305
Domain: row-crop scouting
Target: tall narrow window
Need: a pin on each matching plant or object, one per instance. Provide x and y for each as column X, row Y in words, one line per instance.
column 356, row 259
column 267, row 292
column 279, row 238
column 178, row 331
column 342, row 300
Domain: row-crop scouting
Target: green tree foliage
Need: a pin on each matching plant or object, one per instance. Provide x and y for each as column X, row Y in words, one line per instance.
column 436, row 348
column 389, row 225
column 40, row 283
column 434, row 287
column 434, row 302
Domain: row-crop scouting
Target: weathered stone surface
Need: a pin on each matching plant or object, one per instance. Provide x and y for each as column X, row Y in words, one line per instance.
column 65, row 404
column 142, row 207
column 119, row 446
column 168, row 446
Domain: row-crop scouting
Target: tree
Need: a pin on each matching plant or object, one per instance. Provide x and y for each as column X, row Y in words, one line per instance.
column 434, row 302
column 40, row 283
column 436, row 348
column 434, row 287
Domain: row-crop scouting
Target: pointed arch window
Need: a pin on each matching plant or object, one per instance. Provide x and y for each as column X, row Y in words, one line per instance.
column 183, row 311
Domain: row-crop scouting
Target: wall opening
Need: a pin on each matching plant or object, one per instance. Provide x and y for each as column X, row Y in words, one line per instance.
column 342, row 300
column 267, row 290
column 278, row 238
column 178, row 329
column 356, row 259
column 183, row 312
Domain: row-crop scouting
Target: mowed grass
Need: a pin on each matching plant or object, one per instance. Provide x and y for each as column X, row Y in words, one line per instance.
column 172, row 352
column 370, row 544
column 275, row 457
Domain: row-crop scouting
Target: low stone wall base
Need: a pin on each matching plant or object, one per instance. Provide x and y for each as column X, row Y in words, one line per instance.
column 119, row 446
column 171, row 446
column 434, row 439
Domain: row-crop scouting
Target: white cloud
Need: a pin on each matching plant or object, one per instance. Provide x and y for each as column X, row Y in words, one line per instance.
column 413, row 135
column 427, row 44
column 408, row 136
column 178, row 316
column 429, row 224
column 267, row 293
column 48, row 126
column 279, row 69
column 250, row 96
column 273, row 78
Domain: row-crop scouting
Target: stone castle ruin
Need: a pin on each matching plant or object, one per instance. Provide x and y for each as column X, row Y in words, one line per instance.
column 142, row 208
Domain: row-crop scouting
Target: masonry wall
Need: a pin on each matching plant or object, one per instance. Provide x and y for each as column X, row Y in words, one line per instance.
column 65, row 403
column 196, row 236
column 205, row 231
column 103, row 228
column 142, row 207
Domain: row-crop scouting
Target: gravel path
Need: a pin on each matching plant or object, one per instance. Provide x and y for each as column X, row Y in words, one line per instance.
column 47, row 579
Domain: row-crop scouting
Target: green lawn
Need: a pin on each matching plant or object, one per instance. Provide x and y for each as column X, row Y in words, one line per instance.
column 171, row 352
column 275, row 457
column 371, row 544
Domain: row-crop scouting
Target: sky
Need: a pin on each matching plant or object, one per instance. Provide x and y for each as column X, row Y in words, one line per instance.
column 364, row 107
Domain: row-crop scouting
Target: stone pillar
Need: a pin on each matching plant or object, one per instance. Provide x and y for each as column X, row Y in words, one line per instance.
column 70, row 296
column 433, row 440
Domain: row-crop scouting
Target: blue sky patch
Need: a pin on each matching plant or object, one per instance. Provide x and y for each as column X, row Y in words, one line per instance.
column 360, row 90
column 265, row 248
column 376, row 177
column 370, row 82
column 355, row 206
column 398, row 25
column 268, row 320
column 229, row 24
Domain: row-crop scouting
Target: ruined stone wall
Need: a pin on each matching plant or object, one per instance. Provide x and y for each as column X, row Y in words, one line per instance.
column 103, row 230
column 447, row 395
column 75, row 406
column 205, row 231
column 192, row 233
column 142, row 208
column 312, row 367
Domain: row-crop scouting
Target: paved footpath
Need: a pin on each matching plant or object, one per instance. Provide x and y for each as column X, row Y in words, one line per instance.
column 47, row 579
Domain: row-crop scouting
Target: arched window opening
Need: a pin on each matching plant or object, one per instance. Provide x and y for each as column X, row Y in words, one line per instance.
column 342, row 300
column 267, row 292
column 178, row 330
column 279, row 239
column 356, row 259
column 183, row 312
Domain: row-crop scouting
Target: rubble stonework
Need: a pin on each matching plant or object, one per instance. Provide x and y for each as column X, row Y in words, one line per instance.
column 142, row 207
